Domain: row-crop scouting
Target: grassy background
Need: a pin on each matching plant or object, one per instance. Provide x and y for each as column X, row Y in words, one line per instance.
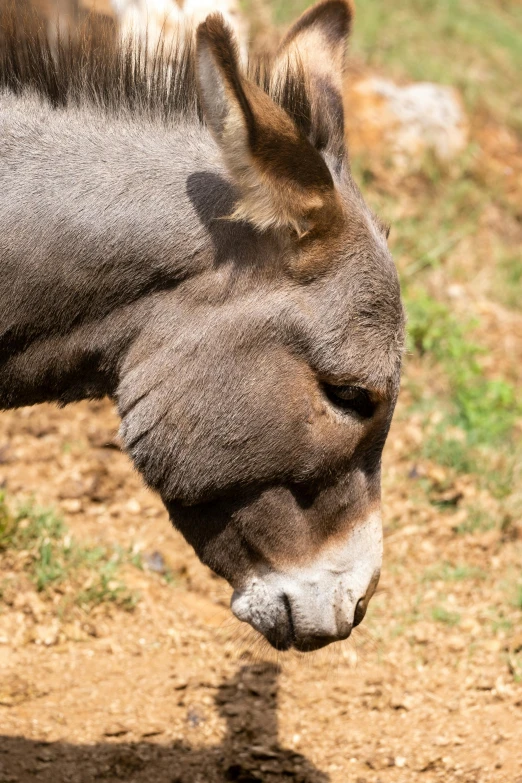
column 37, row 547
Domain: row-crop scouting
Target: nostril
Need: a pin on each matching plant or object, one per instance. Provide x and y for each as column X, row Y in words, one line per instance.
column 360, row 611
column 281, row 634
column 288, row 608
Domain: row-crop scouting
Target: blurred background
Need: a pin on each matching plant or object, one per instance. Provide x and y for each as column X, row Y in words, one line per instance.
column 118, row 658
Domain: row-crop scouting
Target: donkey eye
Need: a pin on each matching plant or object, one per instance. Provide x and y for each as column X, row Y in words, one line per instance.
column 352, row 399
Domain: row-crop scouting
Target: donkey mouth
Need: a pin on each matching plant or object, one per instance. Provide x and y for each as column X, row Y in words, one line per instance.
column 309, row 607
column 306, row 620
column 284, row 637
column 283, row 625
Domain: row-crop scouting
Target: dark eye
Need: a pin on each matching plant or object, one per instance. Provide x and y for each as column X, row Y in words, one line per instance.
column 352, row 399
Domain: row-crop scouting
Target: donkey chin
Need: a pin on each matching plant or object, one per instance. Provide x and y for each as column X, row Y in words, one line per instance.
column 309, row 606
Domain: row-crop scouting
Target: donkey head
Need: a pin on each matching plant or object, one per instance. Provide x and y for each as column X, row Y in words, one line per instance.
column 260, row 406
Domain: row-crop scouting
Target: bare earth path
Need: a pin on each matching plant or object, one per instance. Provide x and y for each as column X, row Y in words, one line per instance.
column 176, row 691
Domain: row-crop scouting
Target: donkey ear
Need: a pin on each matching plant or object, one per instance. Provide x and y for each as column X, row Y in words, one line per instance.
column 282, row 180
column 317, row 43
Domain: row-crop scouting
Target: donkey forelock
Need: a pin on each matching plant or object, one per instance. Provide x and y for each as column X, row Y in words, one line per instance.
column 186, row 236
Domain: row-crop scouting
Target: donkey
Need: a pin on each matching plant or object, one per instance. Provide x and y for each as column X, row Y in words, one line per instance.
column 188, row 240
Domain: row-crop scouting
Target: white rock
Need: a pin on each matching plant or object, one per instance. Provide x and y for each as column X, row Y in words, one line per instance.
column 406, row 123
column 47, row 635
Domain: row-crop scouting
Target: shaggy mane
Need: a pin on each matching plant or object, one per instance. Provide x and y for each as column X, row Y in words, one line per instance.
column 89, row 65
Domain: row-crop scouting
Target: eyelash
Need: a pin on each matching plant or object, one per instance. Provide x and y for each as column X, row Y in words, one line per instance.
column 356, row 400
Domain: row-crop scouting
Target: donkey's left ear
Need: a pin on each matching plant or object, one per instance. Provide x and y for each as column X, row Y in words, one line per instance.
column 282, row 180
column 318, row 43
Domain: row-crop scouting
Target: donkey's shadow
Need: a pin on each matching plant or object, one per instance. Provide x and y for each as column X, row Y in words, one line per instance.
column 250, row 752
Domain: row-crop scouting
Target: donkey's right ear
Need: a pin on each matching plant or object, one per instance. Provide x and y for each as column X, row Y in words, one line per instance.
column 282, row 180
column 318, row 42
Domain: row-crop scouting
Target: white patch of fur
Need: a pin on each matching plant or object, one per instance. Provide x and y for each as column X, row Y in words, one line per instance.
column 198, row 10
column 153, row 19
column 148, row 21
column 323, row 594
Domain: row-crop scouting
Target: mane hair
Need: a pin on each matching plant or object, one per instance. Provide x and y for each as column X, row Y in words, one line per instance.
column 90, row 65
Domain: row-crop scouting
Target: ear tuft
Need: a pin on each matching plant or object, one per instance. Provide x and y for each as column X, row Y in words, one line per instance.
column 332, row 18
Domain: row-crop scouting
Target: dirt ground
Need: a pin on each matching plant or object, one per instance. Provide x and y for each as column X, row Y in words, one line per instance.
column 176, row 691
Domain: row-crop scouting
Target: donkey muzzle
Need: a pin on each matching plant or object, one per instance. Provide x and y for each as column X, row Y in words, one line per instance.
column 308, row 607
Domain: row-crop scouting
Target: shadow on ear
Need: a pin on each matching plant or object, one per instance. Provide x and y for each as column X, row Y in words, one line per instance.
column 283, row 181
column 318, row 43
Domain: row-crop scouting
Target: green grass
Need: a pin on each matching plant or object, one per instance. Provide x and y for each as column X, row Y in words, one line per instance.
column 508, row 284
column 51, row 558
column 446, row 572
column 442, row 615
column 483, row 409
column 500, row 623
column 477, row 521
column 475, row 45
column 477, row 414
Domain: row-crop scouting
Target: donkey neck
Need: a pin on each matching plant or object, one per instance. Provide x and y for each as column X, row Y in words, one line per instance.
column 98, row 217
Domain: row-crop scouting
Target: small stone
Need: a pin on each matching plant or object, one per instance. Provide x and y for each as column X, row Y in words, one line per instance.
column 71, row 490
column 152, row 732
column 194, row 718
column 456, row 643
column 515, row 644
column 72, row 506
column 427, row 763
column 402, row 701
column 485, row 683
column 47, row 634
column 73, row 632
column 441, row 742
column 259, row 752
column 422, row 634
column 29, row 603
column 155, row 563
column 132, row 506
